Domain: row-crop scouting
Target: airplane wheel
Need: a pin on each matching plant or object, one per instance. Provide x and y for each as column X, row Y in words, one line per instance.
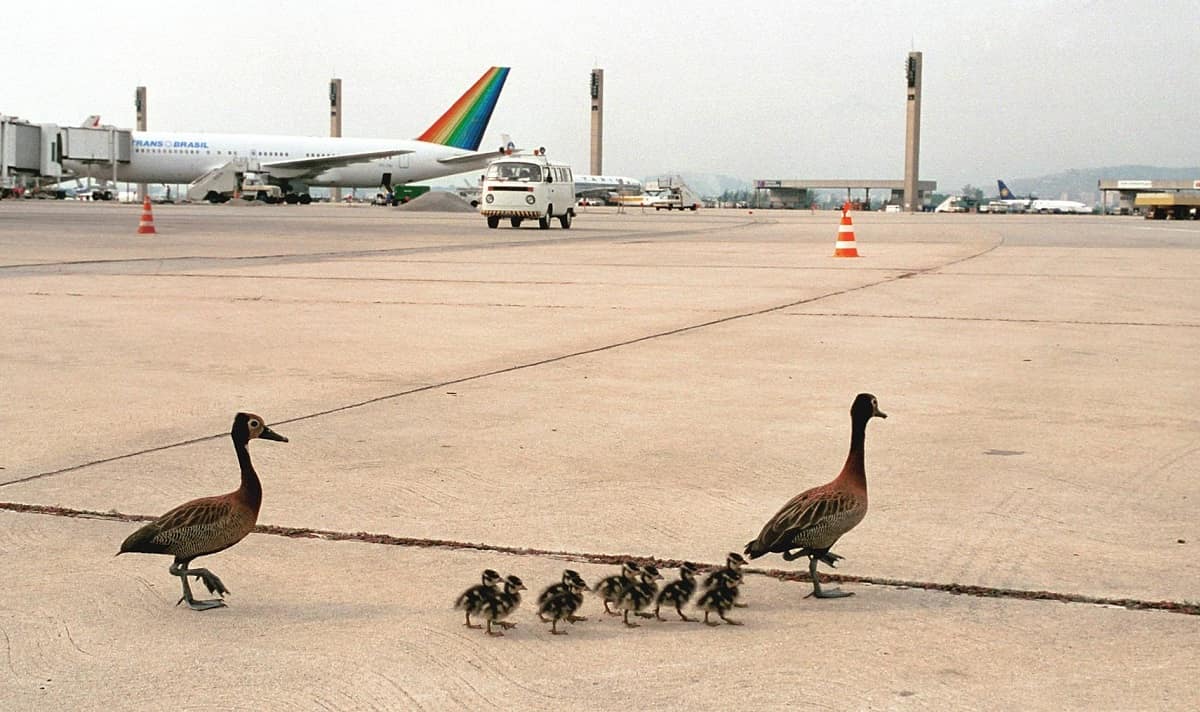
column 305, row 199
column 291, row 199
column 493, row 221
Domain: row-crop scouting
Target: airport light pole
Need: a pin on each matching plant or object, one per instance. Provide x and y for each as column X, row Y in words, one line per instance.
column 335, row 120
column 912, row 135
column 597, row 163
column 139, row 103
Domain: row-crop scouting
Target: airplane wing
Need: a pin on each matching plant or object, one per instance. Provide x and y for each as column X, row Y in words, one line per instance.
column 320, row 164
column 473, row 157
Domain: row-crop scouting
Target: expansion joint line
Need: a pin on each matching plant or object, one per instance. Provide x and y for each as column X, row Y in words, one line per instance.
column 1186, row 607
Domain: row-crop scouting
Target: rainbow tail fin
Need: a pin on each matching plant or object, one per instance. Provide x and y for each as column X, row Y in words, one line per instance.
column 463, row 123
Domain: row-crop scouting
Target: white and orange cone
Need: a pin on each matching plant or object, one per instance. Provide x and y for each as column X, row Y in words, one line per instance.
column 146, row 224
column 845, row 246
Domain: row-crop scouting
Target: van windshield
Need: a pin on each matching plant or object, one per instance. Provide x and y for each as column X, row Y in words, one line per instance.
column 524, row 172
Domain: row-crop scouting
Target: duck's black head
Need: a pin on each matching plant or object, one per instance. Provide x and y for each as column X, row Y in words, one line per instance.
column 247, row 426
column 866, row 407
column 735, row 560
column 490, row 577
column 514, row 583
column 650, row 572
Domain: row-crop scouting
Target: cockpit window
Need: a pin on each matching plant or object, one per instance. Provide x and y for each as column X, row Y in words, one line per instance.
column 523, row 172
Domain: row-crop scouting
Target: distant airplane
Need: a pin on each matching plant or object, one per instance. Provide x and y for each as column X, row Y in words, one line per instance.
column 1035, row 205
column 1011, row 201
column 294, row 163
column 606, row 188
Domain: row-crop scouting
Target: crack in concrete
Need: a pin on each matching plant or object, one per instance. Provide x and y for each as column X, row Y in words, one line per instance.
column 958, row 589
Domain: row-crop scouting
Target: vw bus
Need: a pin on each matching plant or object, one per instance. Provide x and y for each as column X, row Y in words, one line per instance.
column 530, row 187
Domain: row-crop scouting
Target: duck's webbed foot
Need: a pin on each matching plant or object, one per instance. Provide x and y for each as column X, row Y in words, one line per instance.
column 817, row 591
column 183, row 572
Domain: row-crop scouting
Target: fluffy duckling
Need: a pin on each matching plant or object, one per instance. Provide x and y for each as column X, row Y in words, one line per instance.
column 571, row 582
column 476, row 597
column 503, row 602
column 210, row 524
column 677, row 593
column 733, row 563
column 721, row 596
column 610, row 588
column 562, row 605
column 812, row 521
column 639, row 594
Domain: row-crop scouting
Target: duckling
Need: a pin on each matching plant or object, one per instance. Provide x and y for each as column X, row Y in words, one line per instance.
column 476, row 597
column 721, row 596
column 812, row 521
column 571, row 581
column 733, row 562
column 562, row 606
column 503, row 602
column 210, row 524
column 639, row 594
column 610, row 587
column 678, row 592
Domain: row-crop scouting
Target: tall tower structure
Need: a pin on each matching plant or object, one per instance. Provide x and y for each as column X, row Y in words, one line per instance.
column 139, row 104
column 912, row 134
column 597, row 165
column 335, row 120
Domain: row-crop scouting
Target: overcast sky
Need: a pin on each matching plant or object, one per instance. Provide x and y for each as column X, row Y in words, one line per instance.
column 753, row 90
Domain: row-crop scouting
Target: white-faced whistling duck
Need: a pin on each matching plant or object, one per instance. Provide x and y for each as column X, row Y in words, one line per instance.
column 571, row 580
column 563, row 604
column 611, row 587
column 813, row 520
column 639, row 594
column 474, row 598
column 503, row 602
column 720, row 597
column 677, row 593
column 210, row 524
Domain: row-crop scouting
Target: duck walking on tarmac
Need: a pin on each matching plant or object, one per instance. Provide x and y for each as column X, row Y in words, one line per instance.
column 560, row 602
column 210, row 524
column 812, row 521
column 501, row 604
column 720, row 596
column 677, row 593
column 476, row 597
column 610, row 588
column 571, row 583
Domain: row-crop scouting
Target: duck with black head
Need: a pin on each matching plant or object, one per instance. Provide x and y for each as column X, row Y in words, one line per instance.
column 210, row 524
column 812, row 521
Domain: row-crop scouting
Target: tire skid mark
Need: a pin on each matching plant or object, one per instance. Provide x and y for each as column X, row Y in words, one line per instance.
column 688, row 328
column 1184, row 607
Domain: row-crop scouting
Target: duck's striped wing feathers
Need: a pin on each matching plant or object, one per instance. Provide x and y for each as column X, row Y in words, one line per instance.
column 812, row 520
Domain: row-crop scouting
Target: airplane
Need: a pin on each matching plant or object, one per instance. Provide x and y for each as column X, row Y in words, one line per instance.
column 450, row 145
column 605, row 188
column 1011, row 202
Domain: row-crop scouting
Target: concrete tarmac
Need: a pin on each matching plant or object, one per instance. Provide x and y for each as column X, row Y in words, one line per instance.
column 642, row 385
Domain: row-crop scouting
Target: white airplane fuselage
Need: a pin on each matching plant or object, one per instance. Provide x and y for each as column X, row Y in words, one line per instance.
column 182, row 157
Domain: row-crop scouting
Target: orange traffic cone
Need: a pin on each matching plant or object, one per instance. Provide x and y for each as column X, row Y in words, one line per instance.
column 845, row 247
column 146, row 224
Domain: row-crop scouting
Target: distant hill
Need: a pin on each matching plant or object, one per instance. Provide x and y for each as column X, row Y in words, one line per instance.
column 1080, row 183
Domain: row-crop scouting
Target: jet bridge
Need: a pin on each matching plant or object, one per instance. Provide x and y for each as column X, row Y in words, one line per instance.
column 28, row 153
column 34, row 153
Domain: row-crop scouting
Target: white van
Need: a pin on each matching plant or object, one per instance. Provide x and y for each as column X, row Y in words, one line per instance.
column 520, row 187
